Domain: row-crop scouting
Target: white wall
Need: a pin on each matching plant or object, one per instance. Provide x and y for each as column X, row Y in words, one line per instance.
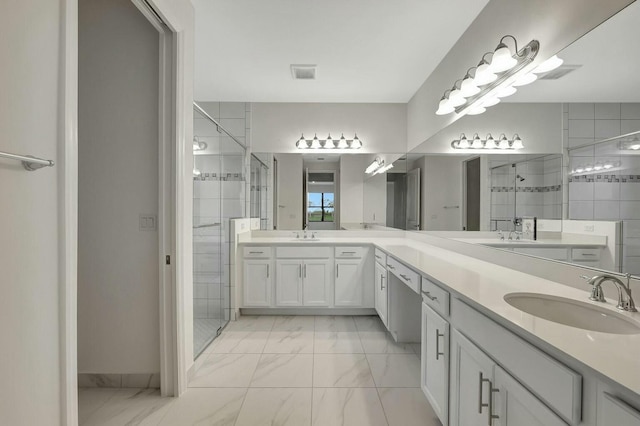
column 554, row 24
column 118, row 318
column 375, row 199
column 441, row 186
column 351, row 187
column 289, row 191
column 31, row 252
column 277, row 126
column 539, row 126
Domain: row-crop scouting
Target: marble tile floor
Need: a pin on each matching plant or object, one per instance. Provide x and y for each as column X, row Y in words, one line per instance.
column 275, row 370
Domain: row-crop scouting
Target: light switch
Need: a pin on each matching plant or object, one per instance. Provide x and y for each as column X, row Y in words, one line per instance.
column 148, row 222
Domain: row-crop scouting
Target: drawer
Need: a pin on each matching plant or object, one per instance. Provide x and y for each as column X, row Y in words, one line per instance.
column 585, row 254
column 436, row 297
column 551, row 381
column 405, row 274
column 549, row 253
column 355, row 252
column 297, row 252
column 257, row 252
column 381, row 257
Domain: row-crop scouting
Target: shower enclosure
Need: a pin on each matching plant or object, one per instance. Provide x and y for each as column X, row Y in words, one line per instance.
column 218, row 196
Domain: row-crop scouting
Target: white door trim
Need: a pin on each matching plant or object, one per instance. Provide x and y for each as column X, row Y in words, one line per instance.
column 68, row 213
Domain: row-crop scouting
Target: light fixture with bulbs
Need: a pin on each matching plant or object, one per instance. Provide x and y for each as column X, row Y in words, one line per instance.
column 375, row 165
column 329, row 143
column 383, row 168
column 484, row 85
column 476, row 143
column 590, row 168
column 632, row 144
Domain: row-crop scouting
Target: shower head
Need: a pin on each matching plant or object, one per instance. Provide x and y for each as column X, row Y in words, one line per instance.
column 520, row 177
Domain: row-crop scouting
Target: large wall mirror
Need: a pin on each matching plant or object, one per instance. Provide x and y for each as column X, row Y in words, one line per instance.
column 579, row 173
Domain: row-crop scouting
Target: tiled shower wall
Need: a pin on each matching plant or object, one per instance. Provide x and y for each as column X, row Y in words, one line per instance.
column 614, row 195
column 219, row 195
column 539, row 194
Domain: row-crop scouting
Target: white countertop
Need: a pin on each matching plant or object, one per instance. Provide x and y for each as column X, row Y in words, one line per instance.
column 542, row 243
column 612, row 355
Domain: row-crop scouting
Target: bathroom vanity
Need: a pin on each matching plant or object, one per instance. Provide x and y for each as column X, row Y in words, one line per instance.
column 484, row 361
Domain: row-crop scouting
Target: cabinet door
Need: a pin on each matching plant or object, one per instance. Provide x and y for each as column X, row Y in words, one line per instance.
column 435, row 362
column 516, row 406
column 349, row 286
column 315, row 282
column 257, row 282
column 614, row 411
column 381, row 292
column 471, row 383
column 288, row 283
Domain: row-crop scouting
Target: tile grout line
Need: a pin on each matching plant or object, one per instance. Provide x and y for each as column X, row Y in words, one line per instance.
column 313, row 365
column 374, row 379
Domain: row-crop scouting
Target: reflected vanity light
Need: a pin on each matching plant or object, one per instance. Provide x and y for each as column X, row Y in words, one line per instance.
column 329, row 143
column 498, row 77
column 383, row 168
column 590, row 168
column 489, row 143
column 374, row 166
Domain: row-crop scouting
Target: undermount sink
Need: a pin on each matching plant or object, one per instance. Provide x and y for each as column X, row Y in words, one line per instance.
column 587, row 316
column 305, row 240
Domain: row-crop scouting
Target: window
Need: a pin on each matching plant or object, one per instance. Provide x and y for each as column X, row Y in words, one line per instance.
column 321, row 207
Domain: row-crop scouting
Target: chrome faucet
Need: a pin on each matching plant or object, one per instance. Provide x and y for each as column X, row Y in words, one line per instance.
column 625, row 301
column 510, row 235
column 501, row 235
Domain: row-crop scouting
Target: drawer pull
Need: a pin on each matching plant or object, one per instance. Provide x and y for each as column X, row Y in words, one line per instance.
column 378, row 257
column 390, row 267
column 256, row 252
column 406, row 278
column 347, row 252
column 430, row 297
column 438, row 336
column 587, row 254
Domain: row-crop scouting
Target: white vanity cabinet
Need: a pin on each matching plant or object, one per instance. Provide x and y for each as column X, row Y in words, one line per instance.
column 485, row 394
column 350, row 289
column 381, row 291
column 614, row 411
column 434, row 368
column 303, row 276
column 258, row 279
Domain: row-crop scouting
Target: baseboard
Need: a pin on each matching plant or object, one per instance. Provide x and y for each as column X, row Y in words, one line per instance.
column 308, row 311
column 141, row 381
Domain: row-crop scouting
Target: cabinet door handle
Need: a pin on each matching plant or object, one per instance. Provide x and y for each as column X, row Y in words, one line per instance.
column 430, row 297
column 267, row 270
column 299, row 271
column 382, row 278
column 406, row 278
column 489, row 404
column 438, row 336
column 337, row 270
column 305, row 270
column 481, row 404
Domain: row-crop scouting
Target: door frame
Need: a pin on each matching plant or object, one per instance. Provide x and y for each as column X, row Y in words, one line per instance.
column 176, row 132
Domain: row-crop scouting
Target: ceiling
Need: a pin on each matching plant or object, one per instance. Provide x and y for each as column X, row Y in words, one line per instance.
column 366, row 51
column 609, row 64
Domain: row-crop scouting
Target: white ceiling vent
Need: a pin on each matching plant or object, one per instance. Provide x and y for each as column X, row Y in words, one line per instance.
column 303, row 72
column 559, row 72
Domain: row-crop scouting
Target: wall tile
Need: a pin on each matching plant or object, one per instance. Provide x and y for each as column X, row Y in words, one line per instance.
column 581, row 210
column 580, row 111
column 606, row 210
column 608, row 111
column 630, row 191
column 629, row 126
column 232, row 110
column 607, row 128
column 607, row 191
column 630, row 111
column 581, row 191
column 581, row 129
column 630, row 210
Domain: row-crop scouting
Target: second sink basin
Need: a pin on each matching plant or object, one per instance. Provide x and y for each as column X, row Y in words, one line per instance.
column 573, row 313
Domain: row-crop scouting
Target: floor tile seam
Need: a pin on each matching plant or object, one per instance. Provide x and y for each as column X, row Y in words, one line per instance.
column 376, row 385
column 244, row 398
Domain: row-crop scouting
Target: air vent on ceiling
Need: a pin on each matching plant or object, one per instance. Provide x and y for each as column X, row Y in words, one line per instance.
column 303, row 72
column 559, row 72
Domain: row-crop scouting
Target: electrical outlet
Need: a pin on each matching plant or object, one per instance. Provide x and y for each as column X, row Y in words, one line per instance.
column 589, row 228
column 147, row 222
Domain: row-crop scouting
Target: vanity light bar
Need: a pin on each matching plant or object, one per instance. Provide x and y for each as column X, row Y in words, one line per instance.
column 591, row 168
column 489, row 143
column 374, row 166
column 329, row 143
column 484, row 85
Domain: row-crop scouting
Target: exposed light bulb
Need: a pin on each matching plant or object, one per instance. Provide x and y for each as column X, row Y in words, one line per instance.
column 504, row 142
column 468, row 87
column 483, row 74
column 315, row 143
column 581, row 169
column 197, row 172
column 517, row 142
column 329, row 142
column 506, row 91
column 588, row 168
column 598, row 166
column 635, row 147
column 302, row 143
column 476, row 110
column 608, row 166
column 490, row 142
column 525, row 79
column 477, row 142
column 502, row 59
column 548, row 65
column 356, row 143
column 464, row 143
column 342, row 143
column 445, row 106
